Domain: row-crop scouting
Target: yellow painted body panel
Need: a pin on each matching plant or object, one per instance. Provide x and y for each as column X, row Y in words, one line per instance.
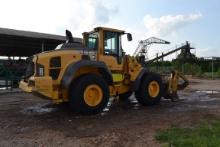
column 67, row 57
column 44, row 86
column 111, row 63
column 134, row 68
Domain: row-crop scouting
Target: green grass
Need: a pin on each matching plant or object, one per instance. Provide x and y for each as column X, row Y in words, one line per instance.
column 207, row 134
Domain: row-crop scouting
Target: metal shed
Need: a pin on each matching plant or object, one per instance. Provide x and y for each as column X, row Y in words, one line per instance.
column 26, row 43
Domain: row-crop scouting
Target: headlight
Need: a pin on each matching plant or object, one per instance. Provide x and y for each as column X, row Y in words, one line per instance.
column 40, row 70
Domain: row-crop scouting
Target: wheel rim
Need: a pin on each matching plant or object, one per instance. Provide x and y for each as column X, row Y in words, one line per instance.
column 153, row 89
column 93, row 95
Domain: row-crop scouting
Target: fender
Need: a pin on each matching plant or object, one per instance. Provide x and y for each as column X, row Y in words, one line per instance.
column 72, row 69
column 137, row 82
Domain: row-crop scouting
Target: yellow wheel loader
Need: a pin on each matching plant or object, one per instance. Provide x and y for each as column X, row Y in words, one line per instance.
column 86, row 74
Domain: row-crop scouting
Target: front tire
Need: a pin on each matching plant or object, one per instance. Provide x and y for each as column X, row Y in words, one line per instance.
column 89, row 94
column 150, row 90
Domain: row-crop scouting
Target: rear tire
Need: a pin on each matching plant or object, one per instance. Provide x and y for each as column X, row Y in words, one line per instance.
column 89, row 94
column 150, row 90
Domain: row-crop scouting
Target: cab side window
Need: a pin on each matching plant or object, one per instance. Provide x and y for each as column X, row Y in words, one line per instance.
column 92, row 42
column 111, row 43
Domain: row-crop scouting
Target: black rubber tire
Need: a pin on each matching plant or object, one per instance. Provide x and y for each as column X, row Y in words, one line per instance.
column 125, row 96
column 76, row 92
column 142, row 94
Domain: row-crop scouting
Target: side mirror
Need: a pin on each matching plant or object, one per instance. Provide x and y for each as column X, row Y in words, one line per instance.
column 129, row 37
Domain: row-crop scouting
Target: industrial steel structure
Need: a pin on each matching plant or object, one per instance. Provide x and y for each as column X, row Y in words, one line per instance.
column 144, row 45
column 185, row 51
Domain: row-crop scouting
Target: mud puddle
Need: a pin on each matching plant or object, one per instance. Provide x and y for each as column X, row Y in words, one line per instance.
column 38, row 109
column 208, row 91
column 196, row 100
column 188, row 101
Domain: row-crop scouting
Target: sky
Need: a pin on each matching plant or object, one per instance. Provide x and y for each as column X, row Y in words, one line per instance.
column 177, row 21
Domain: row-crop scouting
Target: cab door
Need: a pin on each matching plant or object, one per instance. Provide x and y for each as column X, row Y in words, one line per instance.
column 112, row 54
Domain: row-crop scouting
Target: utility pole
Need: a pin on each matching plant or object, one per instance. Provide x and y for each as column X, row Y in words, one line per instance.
column 157, row 63
column 212, row 68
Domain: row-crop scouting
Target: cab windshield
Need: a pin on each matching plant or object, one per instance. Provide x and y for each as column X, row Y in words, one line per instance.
column 92, row 41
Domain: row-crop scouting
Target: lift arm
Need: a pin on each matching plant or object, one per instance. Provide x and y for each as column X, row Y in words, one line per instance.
column 173, row 85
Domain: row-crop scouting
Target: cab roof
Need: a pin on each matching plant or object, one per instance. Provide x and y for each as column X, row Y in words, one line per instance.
column 107, row 29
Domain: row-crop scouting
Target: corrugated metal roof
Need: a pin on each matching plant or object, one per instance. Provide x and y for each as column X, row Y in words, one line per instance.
column 26, row 43
column 30, row 34
column 36, row 35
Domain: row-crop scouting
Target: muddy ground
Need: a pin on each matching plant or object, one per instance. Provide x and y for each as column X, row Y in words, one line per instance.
column 26, row 120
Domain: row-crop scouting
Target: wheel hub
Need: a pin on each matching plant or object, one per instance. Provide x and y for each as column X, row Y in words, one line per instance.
column 153, row 89
column 93, row 95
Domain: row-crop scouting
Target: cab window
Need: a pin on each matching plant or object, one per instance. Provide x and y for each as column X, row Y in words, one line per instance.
column 92, row 42
column 111, row 43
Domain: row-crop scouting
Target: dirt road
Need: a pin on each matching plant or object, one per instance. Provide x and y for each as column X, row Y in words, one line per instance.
column 26, row 120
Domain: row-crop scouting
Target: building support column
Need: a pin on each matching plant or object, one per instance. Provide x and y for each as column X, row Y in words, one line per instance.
column 42, row 46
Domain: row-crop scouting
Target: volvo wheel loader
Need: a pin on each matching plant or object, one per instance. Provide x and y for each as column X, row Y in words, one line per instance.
column 86, row 74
